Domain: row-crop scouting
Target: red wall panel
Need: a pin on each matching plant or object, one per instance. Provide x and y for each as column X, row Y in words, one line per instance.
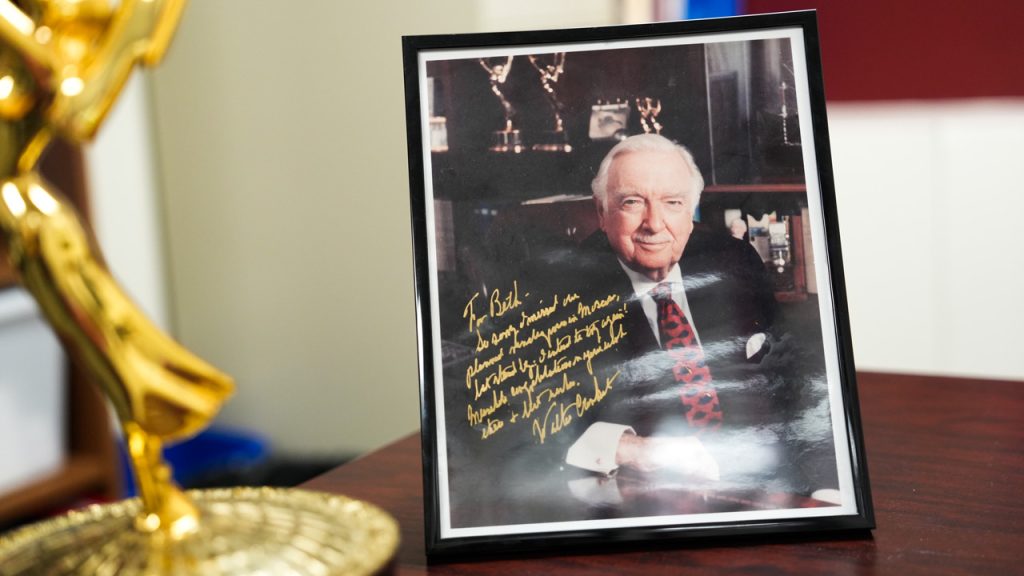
column 896, row 49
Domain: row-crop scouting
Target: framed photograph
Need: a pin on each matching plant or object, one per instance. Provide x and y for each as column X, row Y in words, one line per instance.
column 632, row 321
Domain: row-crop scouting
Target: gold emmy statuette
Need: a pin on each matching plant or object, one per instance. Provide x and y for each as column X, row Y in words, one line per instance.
column 62, row 65
column 649, row 109
column 555, row 140
column 508, row 139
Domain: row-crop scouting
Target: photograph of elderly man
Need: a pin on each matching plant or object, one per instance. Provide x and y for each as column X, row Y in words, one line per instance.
column 616, row 352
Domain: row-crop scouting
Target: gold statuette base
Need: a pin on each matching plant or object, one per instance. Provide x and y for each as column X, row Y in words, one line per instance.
column 243, row 531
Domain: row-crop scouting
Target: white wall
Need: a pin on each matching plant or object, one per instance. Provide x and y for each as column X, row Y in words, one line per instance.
column 930, row 197
column 502, row 15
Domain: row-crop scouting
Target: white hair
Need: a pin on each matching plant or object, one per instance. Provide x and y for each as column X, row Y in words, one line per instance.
column 647, row 143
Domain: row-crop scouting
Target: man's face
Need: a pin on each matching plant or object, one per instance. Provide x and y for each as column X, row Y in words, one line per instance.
column 648, row 218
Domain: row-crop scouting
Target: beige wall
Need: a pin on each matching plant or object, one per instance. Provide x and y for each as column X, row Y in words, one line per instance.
column 280, row 128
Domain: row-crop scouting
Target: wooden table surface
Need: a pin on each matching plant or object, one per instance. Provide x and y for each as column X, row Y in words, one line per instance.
column 946, row 464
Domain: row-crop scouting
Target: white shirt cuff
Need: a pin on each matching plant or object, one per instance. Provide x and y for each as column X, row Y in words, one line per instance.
column 595, row 449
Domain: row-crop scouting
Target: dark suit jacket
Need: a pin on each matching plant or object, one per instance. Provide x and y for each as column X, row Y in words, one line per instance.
column 729, row 300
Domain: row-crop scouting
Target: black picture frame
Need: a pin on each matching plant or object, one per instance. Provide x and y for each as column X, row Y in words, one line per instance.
column 746, row 96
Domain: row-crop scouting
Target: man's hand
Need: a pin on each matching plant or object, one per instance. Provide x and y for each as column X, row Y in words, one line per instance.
column 685, row 455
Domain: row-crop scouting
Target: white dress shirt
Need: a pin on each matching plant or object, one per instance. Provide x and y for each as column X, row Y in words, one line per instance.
column 642, row 287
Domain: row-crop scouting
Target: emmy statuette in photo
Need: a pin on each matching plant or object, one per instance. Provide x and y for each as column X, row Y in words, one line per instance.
column 62, row 65
column 649, row 109
column 508, row 139
column 555, row 140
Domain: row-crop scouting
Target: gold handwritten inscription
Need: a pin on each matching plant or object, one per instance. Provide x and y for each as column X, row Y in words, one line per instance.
column 533, row 371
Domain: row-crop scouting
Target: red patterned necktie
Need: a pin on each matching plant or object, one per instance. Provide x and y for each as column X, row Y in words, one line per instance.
column 700, row 401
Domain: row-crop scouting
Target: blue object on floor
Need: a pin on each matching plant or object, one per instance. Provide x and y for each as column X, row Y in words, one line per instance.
column 213, row 451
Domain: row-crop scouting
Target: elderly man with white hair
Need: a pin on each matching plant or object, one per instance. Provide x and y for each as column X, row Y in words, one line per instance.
column 691, row 317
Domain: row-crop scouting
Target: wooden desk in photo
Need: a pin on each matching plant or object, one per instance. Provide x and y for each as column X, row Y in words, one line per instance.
column 946, row 464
